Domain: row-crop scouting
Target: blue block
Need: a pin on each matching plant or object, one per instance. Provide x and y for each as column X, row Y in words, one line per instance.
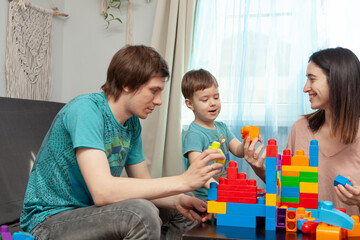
column 329, row 215
column 236, row 220
column 22, row 236
column 341, row 180
column 290, row 189
column 314, row 153
column 290, row 194
column 270, row 212
column 270, row 224
column 212, row 192
column 314, row 212
column 299, row 223
column 244, row 209
column 236, row 232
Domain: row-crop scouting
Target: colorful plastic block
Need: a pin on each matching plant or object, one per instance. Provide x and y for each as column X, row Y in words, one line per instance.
column 216, row 207
column 216, row 145
column 324, row 231
column 236, row 220
column 299, row 169
column 250, row 131
column 291, row 221
column 355, row 232
column 257, row 210
column 309, row 227
column 212, row 192
column 286, row 157
column 342, row 180
column 22, row 236
column 314, row 153
column 309, row 187
column 270, row 199
column 271, row 148
column 300, row 159
column 329, row 215
column 281, row 218
column 4, row 233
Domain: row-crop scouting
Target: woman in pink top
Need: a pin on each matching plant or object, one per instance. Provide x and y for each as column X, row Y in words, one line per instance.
column 333, row 85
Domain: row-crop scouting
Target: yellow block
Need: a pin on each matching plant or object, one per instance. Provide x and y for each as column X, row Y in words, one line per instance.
column 270, row 199
column 299, row 169
column 216, row 207
column 309, row 187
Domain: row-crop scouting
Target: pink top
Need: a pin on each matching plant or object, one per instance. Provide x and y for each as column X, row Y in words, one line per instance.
column 346, row 162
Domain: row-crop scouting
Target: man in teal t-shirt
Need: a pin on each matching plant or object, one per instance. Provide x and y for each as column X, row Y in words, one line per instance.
column 75, row 190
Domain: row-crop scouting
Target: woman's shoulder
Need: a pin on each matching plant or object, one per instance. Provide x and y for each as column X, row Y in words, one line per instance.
column 301, row 122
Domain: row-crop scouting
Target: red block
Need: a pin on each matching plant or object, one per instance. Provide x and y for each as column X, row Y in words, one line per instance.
column 308, row 195
column 290, row 205
column 309, row 227
column 286, row 157
column 311, row 203
column 271, row 148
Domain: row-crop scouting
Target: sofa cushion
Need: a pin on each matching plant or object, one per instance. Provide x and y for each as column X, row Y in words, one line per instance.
column 23, row 126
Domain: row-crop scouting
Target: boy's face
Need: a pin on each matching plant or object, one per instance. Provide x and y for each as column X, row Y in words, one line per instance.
column 206, row 106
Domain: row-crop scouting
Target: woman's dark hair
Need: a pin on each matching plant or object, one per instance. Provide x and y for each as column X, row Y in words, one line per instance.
column 342, row 69
column 132, row 67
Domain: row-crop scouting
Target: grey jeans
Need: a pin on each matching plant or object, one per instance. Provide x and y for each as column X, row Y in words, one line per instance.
column 131, row 219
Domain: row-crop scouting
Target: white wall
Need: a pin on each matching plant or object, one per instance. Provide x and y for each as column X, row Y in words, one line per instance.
column 82, row 45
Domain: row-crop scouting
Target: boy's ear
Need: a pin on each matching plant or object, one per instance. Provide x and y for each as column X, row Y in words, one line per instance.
column 189, row 104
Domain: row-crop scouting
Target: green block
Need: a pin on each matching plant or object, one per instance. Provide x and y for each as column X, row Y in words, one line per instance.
column 290, row 200
column 309, row 179
column 309, row 174
column 290, row 184
column 290, row 179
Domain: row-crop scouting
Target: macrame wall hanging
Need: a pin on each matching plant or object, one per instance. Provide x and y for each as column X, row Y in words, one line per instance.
column 28, row 51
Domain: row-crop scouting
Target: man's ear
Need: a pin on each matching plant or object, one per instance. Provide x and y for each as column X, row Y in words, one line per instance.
column 189, row 104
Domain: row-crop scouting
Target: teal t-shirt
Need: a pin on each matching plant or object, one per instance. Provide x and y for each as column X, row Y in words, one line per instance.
column 198, row 139
column 56, row 183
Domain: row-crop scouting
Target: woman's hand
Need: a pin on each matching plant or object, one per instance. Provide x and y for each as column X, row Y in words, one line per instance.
column 349, row 194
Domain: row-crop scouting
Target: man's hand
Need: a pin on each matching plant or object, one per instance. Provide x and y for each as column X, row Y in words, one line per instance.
column 252, row 156
column 349, row 194
column 193, row 208
column 199, row 171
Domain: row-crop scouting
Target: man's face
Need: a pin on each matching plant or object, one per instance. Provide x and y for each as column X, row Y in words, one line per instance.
column 143, row 101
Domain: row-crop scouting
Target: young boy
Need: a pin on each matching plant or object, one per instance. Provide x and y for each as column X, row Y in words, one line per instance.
column 200, row 90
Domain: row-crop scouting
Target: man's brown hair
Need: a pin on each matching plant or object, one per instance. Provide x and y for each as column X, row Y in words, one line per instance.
column 132, row 67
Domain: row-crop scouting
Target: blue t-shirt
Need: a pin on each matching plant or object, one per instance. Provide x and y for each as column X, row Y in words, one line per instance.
column 198, row 139
column 56, row 183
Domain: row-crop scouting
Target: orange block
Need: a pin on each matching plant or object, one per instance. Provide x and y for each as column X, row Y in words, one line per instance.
column 290, row 173
column 299, row 159
column 251, row 131
column 328, row 232
column 355, row 232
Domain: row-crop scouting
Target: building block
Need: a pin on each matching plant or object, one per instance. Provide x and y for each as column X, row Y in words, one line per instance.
column 216, row 207
column 236, row 220
column 279, row 162
column 324, row 231
column 290, row 200
column 308, row 187
column 309, row 227
column 22, row 236
column 216, row 145
column 299, row 169
column 271, row 175
column 355, row 232
column 4, row 233
column 290, row 174
column 291, row 221
column 212, row 192
column 271, row 148
column 329, row 215
column 270, row 199
column 314, row 153
column 270, row 225
column 257, row 210
column 232, row 170
column 300, row 223
column 286, row 157
column 342, row 180
column 281, row 218
column 249, row 131
column 290, row 194
column 300, row 159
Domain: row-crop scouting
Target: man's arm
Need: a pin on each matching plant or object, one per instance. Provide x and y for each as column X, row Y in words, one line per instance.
column 106, row 189
column 192, row 156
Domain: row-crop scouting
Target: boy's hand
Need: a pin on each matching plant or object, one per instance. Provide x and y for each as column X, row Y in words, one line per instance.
column 349, row 194
column 253, row 157
column 199, row 171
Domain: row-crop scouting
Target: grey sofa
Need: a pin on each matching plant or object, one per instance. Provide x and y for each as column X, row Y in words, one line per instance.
column 23, row 125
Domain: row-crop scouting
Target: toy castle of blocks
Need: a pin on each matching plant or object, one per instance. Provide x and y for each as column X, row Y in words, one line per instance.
column 291, row 195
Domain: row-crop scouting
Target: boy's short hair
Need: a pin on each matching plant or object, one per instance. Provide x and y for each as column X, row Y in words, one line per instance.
column 132, row 67
column 196, row 80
